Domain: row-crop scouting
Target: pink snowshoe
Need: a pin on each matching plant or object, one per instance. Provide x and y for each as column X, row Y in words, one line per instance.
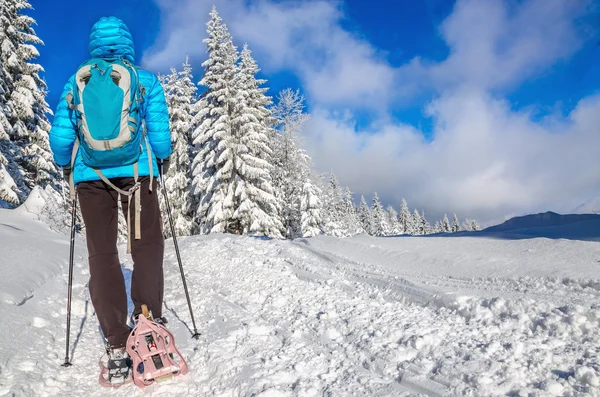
column 151, row 347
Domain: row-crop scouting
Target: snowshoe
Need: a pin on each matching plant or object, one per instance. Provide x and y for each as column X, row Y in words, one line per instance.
column 115, row 368
column 152, row 349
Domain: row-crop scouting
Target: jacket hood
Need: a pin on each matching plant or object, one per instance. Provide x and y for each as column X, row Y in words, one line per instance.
column 110, row 38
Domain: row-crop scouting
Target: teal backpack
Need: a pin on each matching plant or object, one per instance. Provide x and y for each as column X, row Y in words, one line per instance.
column 107, row 105
column 106, row 102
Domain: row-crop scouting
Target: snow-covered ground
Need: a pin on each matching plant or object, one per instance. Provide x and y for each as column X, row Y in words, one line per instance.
column 437, row 316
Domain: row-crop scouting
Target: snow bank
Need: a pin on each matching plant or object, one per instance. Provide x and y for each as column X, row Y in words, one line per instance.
column 584, row 227
column 323, row 316
column 30, row 252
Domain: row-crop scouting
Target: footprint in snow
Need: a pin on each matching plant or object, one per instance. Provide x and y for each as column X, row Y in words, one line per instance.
column 39, row 322
column 26, row 366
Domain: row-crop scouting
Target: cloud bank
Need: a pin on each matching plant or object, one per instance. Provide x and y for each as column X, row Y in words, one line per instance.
column 484, row 160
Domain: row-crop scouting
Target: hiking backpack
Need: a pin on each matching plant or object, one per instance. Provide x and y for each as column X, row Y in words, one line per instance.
column 106, row 101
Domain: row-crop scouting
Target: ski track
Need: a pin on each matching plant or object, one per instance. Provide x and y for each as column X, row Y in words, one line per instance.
column 282, row 318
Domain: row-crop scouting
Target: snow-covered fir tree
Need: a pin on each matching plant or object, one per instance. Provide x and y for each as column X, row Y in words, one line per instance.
column 9, row 193
column 310, row 208
column 455, row 224
column 27, row 157
column 335, row 209
column 180, row 92
column 379, row 224
column 439, row 227
column 256, row 206
column 393, row 221
column 8, row 188
column 406, row 218
column 291, row 163
column 471, row 225
column 446, row 227
column 232, row 169
column 425, row 226
column 353, row 224
column 417, row 223
column 364, row 216
column 213, row 164
column 12, row 186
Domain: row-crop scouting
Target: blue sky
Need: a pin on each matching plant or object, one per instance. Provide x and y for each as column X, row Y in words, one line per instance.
column 401, row 93
column 405, row 29
column 400, row 30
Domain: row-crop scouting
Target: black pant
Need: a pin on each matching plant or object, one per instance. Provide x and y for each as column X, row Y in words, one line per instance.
column 98, row 203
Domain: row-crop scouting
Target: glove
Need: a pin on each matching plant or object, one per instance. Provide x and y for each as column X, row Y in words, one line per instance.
column 163, row 166
column 66, row 170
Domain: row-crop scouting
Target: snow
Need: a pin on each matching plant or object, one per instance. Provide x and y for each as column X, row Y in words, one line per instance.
column 475, row 315
column 550, row 225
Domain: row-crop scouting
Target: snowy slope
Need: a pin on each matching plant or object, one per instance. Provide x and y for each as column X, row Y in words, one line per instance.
column 363, row 316
column 549, row 224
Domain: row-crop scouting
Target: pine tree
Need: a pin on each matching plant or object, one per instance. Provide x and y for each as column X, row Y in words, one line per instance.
column 213, row 183
column 425, row 226
column 405, row 218
column 311, row 211
column 417, row 223
column 471, row 225
column 364, row 216
column 9, row 193
column 291, row 163
column 27, row 157
column 446, row 228
column 379, row 225
column 334, row 209
column 393, row 222
column 256, row 207
column 180, row 92
column 351, row 221
column 8, row 188
column 455, row 224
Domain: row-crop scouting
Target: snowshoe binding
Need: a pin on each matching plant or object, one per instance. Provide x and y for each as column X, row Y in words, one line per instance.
column 152, row 349
column 115, row 368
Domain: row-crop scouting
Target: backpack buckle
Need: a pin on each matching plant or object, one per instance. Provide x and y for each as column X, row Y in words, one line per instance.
column 135, row 187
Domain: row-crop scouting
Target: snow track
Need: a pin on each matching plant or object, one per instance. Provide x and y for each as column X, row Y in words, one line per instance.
column 328, row 317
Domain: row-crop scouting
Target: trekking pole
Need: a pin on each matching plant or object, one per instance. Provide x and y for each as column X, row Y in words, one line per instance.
column 187, row 295
column 71, row 255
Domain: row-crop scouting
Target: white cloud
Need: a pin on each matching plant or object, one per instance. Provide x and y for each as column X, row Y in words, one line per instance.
column 496, row 44
column 304, row 37
column 485, row 159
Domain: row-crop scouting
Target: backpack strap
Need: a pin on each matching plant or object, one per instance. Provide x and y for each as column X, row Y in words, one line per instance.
column 135, row 192
column 149, row 153
column 71, row 176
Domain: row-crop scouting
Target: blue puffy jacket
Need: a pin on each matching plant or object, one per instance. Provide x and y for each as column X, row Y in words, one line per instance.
column 111, row 38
